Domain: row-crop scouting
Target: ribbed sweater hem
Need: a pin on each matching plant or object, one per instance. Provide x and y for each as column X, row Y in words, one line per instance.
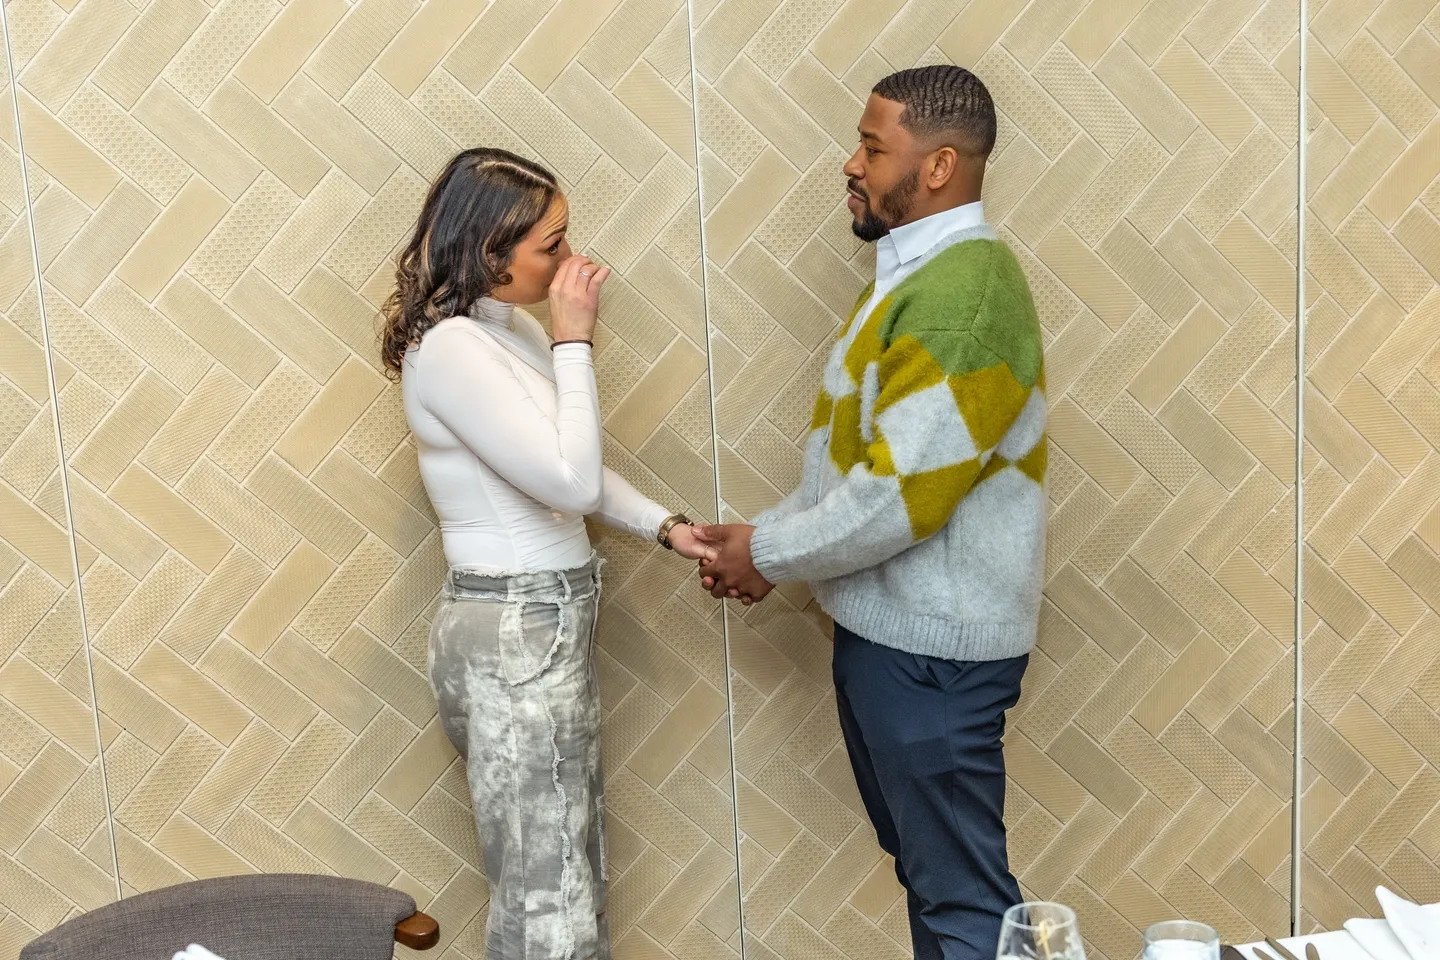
column 883, row 623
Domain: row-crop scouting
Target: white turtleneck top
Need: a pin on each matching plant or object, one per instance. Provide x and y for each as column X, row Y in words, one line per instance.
column 509, row 439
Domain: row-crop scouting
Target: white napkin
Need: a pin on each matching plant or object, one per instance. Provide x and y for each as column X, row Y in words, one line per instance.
column 195, row 952
column 1377, row 939
column 1417, row 928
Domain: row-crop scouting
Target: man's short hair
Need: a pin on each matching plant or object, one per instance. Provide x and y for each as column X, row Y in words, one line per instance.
column 943, row 100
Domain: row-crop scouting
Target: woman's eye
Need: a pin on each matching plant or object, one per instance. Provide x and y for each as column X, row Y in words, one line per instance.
column 554, row 249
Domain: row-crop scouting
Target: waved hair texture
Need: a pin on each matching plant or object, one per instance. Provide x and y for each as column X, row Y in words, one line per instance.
column 943, row 99
column 477, row 211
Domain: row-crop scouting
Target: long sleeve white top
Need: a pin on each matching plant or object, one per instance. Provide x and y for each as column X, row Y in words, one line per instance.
column 508, row 432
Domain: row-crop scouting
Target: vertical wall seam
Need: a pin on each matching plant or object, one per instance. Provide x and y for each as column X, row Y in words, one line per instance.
column 59, row 441
column 715, row 459
column 1297, row 853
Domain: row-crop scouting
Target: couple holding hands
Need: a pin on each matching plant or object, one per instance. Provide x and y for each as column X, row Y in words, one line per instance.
column 918, row 525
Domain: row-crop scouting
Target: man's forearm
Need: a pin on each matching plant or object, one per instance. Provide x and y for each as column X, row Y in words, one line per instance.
column 859, row 524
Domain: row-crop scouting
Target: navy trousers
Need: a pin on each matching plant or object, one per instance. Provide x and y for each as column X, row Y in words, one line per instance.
column 924, row 740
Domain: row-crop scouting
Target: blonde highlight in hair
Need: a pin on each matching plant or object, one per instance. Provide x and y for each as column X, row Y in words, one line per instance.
column 477, row 211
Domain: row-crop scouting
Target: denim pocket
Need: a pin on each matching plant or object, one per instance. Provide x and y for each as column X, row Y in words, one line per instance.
column 530, row 634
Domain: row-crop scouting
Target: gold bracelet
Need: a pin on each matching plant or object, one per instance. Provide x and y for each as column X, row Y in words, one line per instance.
column 670, row 523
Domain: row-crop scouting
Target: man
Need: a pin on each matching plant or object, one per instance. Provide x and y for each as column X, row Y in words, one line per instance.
column 919, row 523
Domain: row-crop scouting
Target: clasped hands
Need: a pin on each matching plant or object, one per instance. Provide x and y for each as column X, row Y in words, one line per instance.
column 726, row 569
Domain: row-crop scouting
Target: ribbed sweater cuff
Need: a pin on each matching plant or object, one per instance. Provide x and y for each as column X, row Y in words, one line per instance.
column 765, row 555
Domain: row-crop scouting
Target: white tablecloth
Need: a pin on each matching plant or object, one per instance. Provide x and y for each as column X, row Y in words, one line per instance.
column 1336, row 945
column 1408, row 932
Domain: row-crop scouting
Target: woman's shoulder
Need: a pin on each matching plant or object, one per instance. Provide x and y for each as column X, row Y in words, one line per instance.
column 453, row 329
column 454, row 335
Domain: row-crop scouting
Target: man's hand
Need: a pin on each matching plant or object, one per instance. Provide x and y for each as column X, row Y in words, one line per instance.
column 731, row 573
column 684, row 542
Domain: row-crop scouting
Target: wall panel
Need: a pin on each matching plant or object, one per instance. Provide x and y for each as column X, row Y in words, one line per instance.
column 1372, row 481
column 1145, row 177
column 217, row 192
column 220, row 189
column 56, row 858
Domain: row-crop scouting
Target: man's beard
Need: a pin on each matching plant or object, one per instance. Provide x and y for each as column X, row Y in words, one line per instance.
column 894, row 207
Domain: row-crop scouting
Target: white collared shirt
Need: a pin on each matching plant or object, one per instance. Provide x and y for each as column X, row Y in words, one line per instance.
column 907, row 248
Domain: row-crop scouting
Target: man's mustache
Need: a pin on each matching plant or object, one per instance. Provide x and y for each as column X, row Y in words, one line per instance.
column 856, row 189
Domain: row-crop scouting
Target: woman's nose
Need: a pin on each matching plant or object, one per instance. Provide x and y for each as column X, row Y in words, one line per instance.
column 565, row 251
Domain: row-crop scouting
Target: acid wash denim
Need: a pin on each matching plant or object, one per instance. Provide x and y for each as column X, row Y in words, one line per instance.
column 510, row 663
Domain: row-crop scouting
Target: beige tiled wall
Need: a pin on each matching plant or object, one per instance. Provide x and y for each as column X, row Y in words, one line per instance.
column 1372, row 472
column 55, row 853
column 1145, row 176
column 217, row 189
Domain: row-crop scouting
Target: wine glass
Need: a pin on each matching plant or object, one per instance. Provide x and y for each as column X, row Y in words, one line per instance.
column 1040, row 931
column 1181, row 940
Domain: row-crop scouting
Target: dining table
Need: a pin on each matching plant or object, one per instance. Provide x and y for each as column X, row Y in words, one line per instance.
column 1332, row 945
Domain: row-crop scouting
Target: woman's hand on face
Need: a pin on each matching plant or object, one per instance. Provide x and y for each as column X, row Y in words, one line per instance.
column 575, row 298
column 682, row 539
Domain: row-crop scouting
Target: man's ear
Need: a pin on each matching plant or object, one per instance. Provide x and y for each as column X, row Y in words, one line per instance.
column 944, row 163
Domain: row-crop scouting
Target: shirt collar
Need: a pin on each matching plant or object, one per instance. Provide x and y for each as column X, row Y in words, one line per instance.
column 918, row 237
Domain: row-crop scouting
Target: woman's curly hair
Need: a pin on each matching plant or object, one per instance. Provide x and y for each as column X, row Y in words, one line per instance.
column 479, row 208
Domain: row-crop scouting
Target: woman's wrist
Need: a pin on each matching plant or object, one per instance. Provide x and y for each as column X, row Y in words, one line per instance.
column 667, row 527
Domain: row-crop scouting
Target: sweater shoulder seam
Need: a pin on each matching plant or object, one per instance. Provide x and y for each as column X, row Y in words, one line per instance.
column 963, row 325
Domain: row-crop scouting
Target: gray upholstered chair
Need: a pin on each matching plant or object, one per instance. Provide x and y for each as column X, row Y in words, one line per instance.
column 276, row 916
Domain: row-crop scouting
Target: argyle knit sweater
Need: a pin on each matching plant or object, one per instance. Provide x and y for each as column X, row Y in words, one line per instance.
column 919, row 522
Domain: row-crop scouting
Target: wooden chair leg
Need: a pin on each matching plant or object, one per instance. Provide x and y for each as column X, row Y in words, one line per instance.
column 418, row 931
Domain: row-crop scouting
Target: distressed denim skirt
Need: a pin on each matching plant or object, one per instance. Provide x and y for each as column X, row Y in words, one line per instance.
column 510, row 663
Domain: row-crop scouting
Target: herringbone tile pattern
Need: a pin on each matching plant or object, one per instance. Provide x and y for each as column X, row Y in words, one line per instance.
column 1146, row 177
column 218, row 190
column 1372, row 427
column 55, row 855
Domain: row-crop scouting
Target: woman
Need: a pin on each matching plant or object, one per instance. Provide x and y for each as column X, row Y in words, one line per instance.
column 508, row 429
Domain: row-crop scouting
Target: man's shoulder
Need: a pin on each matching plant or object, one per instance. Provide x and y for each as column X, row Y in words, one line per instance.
column 965, row 271
column 971, row 303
